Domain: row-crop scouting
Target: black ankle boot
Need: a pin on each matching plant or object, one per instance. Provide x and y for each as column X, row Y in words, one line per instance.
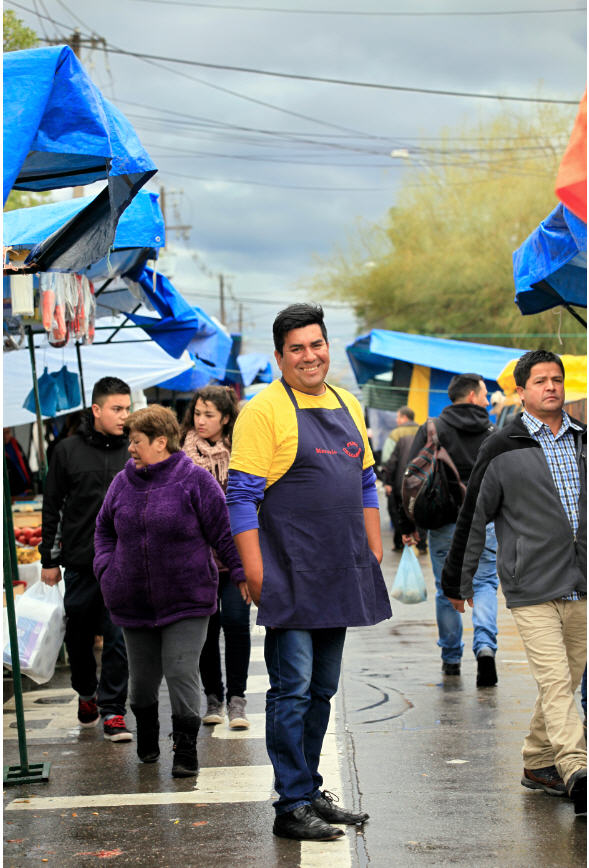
column 148, row 731
column 185, row 730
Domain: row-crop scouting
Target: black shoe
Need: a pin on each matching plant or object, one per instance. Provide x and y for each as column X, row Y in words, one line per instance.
column 185, row 730
column 450, row 668
column 486, row 671
column 303, row 824
column 577, row 790
column 148, row 732
column 546, row 779
column 324, row 806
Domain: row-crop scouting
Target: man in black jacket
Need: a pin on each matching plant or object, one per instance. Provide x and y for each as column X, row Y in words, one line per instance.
column 81, row 470
column 462, row 427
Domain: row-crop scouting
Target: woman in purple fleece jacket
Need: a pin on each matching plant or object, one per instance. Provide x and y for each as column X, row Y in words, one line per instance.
column 160, row 519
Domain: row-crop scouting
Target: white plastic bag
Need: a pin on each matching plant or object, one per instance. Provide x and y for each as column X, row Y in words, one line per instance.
column 409, row 585
column 40, row 627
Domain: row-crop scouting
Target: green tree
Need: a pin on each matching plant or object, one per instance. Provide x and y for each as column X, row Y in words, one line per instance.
column 440, row 263
column 16, row 35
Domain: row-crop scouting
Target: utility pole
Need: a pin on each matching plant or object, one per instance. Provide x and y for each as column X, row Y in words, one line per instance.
column 222, row 299
column 240, row 318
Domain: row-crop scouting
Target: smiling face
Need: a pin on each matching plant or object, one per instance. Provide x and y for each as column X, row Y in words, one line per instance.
column 304, row 362
column 144, row 452
column 543, row 394
column 208, row 421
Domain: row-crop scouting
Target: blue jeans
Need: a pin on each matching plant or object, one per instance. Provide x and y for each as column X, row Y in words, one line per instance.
column 304, row 668
column 233, row 616
column 485, row 584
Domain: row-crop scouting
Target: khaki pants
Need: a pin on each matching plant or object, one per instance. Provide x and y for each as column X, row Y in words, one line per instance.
column 555, row 638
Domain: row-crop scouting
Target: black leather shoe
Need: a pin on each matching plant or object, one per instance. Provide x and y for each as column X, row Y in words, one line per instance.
column 486, row 671
column 303, row 824
column 577, row 790
column 325, row 808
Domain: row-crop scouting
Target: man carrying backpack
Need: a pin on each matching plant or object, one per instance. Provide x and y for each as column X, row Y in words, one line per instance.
column 461, row 428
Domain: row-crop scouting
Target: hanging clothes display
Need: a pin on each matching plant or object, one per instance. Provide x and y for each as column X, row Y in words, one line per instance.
column 68, row 307
column 58, row 391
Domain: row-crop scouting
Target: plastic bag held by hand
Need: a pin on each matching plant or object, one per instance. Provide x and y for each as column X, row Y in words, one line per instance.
column 40, row 625
column 409, row 584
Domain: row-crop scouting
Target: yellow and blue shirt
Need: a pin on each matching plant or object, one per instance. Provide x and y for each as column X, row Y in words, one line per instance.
column 265, row 442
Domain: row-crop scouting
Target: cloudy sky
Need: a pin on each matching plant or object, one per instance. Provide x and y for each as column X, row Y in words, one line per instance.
column 267, row 171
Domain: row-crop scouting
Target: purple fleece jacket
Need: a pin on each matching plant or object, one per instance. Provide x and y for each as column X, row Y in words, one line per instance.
column 153, row 542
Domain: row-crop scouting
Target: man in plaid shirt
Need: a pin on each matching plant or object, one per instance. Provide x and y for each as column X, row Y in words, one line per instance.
column 530, row 479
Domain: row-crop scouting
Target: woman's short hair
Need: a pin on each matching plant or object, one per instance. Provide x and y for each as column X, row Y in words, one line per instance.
column 224, row 399
column 155, row 421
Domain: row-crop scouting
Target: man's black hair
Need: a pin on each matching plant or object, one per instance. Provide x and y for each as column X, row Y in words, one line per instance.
column 109, row 386
column 461, row 385
column 296, row 316
column 525, row 363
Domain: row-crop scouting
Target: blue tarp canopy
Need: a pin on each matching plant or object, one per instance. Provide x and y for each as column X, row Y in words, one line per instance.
column 376, row 353
column 181, row 326
column 139, row 235
column 550, row 267
column 59, row 131
column 254, row 367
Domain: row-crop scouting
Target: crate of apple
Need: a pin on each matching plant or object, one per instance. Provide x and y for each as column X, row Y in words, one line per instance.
column 28, row 536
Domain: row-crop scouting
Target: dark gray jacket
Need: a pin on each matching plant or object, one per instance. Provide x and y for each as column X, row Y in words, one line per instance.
column 538, row 557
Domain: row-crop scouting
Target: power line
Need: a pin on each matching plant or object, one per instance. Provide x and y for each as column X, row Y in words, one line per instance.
column 347, row 12
column 339, row 81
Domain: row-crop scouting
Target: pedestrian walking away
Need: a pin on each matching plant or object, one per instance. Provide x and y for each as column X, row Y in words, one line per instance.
column 206, row 434
column 81, row 470
column 462, row 427
column 530, row 479
column 395, row 455
column 155, row 532
column 311, row 555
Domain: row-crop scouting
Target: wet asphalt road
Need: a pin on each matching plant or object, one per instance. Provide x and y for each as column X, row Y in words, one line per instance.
column 434, row 761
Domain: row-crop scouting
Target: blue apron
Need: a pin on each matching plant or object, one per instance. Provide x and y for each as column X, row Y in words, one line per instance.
column 319, row 571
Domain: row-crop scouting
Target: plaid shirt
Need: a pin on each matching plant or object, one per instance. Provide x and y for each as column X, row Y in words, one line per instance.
column 561, row 457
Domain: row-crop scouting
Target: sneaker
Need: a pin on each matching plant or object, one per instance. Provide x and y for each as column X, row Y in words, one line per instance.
column 116, row 730
column 215, row 711
column 577, row 790
column 450, row 668
column 236, row 713
column 88, row 712
column 546, row 779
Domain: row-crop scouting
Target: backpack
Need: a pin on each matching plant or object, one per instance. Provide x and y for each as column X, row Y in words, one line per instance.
column 432, row 490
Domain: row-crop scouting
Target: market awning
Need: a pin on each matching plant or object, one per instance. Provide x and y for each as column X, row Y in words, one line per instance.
column 60, row 131
column 49, row 230
column 180, row 327
column 571, row 181
column 419, row 368
column 140, row 364
column 550, row 267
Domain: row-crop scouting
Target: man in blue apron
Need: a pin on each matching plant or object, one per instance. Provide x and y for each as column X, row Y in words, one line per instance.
column 304, row 514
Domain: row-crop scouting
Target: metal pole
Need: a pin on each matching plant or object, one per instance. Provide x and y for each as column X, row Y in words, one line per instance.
column 81, row 371
column 40, row 429
column 10, row 575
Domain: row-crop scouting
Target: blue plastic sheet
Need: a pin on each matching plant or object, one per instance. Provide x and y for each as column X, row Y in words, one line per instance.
column 181, row 327
column 59, row 131
column 550, row 267
column 374, row 353
column 139, row 235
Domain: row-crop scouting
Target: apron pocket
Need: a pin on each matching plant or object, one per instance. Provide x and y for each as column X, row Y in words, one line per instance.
column 325, row 539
